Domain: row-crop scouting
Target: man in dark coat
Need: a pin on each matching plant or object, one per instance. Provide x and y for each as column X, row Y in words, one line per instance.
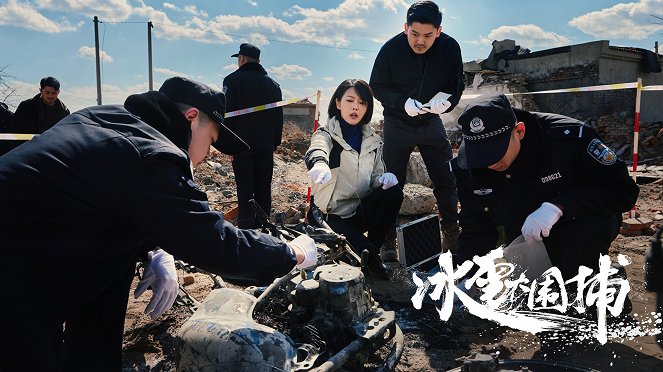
column 409, row 72
column 248, row 87
column 39, row 113
column 81, row 203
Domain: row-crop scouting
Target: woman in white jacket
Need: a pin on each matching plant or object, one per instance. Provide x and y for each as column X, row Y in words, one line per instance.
column 350, row 186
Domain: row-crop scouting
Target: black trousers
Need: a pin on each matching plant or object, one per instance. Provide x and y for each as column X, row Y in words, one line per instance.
column 376, row 214
column 253, row 175
column 580, row 241
column 34, row 339
column 400, row 140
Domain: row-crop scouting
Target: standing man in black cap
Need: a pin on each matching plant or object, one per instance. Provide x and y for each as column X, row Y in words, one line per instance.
column 106, row 186
column 39, row 113
column 409, row 72
column 247, row 87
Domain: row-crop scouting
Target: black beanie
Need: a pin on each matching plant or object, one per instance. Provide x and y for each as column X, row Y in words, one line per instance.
column 159, row 112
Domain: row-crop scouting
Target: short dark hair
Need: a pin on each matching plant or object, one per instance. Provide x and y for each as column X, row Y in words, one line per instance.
column 50, row 81
column 424, row 12
column 363, row 90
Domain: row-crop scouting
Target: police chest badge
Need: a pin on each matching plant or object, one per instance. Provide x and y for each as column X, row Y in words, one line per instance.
column 476, row 125
column 601, row 153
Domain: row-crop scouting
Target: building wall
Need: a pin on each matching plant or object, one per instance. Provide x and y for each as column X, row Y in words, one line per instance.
column 539, row 65
column 651, row 102
column 593, row 63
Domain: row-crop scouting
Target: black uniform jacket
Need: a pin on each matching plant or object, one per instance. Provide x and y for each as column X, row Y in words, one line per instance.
column 81, row 202
column 399, row 73
column 561, row 161
column 250, row 86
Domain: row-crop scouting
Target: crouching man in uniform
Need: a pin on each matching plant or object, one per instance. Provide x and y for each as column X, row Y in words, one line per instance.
column 107, row 185
column 545, row 176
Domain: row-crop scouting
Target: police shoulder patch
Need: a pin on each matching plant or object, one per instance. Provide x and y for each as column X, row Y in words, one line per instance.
column 601, row 153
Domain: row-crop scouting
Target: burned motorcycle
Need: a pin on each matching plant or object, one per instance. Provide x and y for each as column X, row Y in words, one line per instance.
column 320, row 319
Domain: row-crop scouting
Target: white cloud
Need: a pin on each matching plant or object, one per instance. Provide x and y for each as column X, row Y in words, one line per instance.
column 393, row 5
column 258, row 39
column 622, row 21
column 230, row 67
column 89, row 52
column 315, row 26
column 322, row 27
column 22, row 91
column 196, row 29
column 327, row 78
column 252, row 3
column 25, row 16
column 527, row 36
column 355, row 55
column 189, row 9
column 169, row 72
column 288, row 94
column 106, row 10
column 289, row 72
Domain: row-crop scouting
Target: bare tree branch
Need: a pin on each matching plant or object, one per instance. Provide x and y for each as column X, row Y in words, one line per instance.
column 7, row 89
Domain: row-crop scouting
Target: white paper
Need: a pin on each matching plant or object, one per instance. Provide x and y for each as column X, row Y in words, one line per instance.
column 439, row 95
column 530, row 257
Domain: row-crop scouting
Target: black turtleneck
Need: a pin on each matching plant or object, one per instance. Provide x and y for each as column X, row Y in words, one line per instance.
column 351, row 134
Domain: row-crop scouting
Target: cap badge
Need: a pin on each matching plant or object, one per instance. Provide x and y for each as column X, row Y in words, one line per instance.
column 476, row 125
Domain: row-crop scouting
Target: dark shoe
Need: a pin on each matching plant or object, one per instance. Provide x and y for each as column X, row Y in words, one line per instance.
column 388, row 252
column 375, row 268
column 450, row 238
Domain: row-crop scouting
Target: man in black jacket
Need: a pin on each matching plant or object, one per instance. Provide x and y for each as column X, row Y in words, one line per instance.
column 39, row 113
column 81, row 203
column 545, row 176
column 409, row 71
column 247, row 87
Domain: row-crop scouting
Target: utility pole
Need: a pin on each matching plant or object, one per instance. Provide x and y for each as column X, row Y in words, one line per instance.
column 149, row 53
column 96, row 51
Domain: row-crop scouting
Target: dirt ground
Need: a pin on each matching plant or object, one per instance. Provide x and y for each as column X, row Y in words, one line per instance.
column 430, row 344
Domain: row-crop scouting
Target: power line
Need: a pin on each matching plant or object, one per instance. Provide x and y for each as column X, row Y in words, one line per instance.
column 275, row 40
column 268, row 39
column 122, row 22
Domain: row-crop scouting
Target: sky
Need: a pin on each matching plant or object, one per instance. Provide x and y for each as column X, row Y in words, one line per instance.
column 307, row 45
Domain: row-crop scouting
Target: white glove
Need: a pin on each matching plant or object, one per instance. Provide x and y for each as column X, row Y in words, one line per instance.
column 160, row 274
column 307, row 248
column 320, row 173
column 413, row 107
column 538, row 224
column 438, row 106
column 388, row 180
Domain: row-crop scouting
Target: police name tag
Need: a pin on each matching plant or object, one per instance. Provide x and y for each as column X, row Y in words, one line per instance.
column 601, row 153
column 482, row 192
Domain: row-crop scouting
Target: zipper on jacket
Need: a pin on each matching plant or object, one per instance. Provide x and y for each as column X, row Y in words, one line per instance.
column 421, row 80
